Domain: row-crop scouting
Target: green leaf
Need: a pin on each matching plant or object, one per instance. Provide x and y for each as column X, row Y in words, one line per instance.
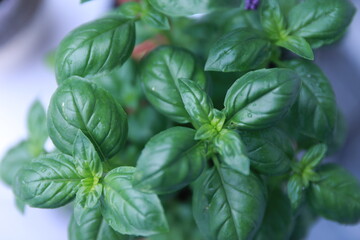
column 242, row 49
column 170, row 160
column 153, row 18
column 121, row 84
column 87, row 197
column 337, row 195
column 239, row 18
column 233, row 151
column 84, row 1
column 93, row 227
column 159, row 74
column 260, row 98
column 314, row 156
column 20, row 205
column 296, row 191
column 270, row 150
column 196, row 101
column 95, row 47
column 228, row 204
column 146, row 13
column 36, row 123
column 49, row 181
column 130, row 9
column 297, row 45
column 278, row 219
column 87, row 160
column 190, row 7
column 303, row 223
column 320, row 21
column 287, row 5
column 206, row 132
column 80, row 105
column 272, row 19
column 128, row 210
column 315, row 109
column 13, row 161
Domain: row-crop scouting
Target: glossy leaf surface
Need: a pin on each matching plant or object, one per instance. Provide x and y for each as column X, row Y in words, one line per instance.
column 49, row 181
column 270, row 150
column 189, row 7
column 315, row 109
column 242, row 49
column 260, row 98
column 128, row 210
column 277, row 222
column 196, row 102
column 80, row 105
column 93, row 227
column 228, row 204
column 320, row 21
column 160, row 71
column 232, row 150
column 337, row 195
column 95, row 47
column 297, row 45
column 171, row 160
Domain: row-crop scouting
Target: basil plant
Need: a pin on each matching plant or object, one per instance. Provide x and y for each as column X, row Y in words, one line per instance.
column 198, row 120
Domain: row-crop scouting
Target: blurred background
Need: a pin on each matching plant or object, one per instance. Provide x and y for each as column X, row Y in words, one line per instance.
column 31, row 29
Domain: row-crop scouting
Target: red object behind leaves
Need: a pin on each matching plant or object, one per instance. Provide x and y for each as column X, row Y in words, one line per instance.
column 143, row 48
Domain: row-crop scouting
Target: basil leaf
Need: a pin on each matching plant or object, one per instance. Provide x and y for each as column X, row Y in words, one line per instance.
column 36, row 123
column 272, row 19
column 93, row 227
column 315, row 109
column 159, row 73
column 154, row 18
column 228, row 204
column 170, row 160
column 233, row 151
column 196, row 102
column 206, row 132
column 318, row 20
column 260, row 98
column 303, row 223
column 87, row 197
column 297, row 45
column 20, row 205
column 13, row 161
column 130, row 211
column 189, row 7
column 337, row 195
column 295, row 189
column 130, row 9
column 277, row 222
column 87, row 160
column 95, row 47
column 239, row 18
column 270, row 150
column 249, row 50
column 49, row 181
column 287, row 5
column 146, row 13
column 314, row 156
column 80, row 105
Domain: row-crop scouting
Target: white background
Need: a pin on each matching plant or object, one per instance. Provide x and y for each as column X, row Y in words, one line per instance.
column 24, row 77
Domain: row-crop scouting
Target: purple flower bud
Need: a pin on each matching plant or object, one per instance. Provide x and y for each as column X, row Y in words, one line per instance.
column 251, row 4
